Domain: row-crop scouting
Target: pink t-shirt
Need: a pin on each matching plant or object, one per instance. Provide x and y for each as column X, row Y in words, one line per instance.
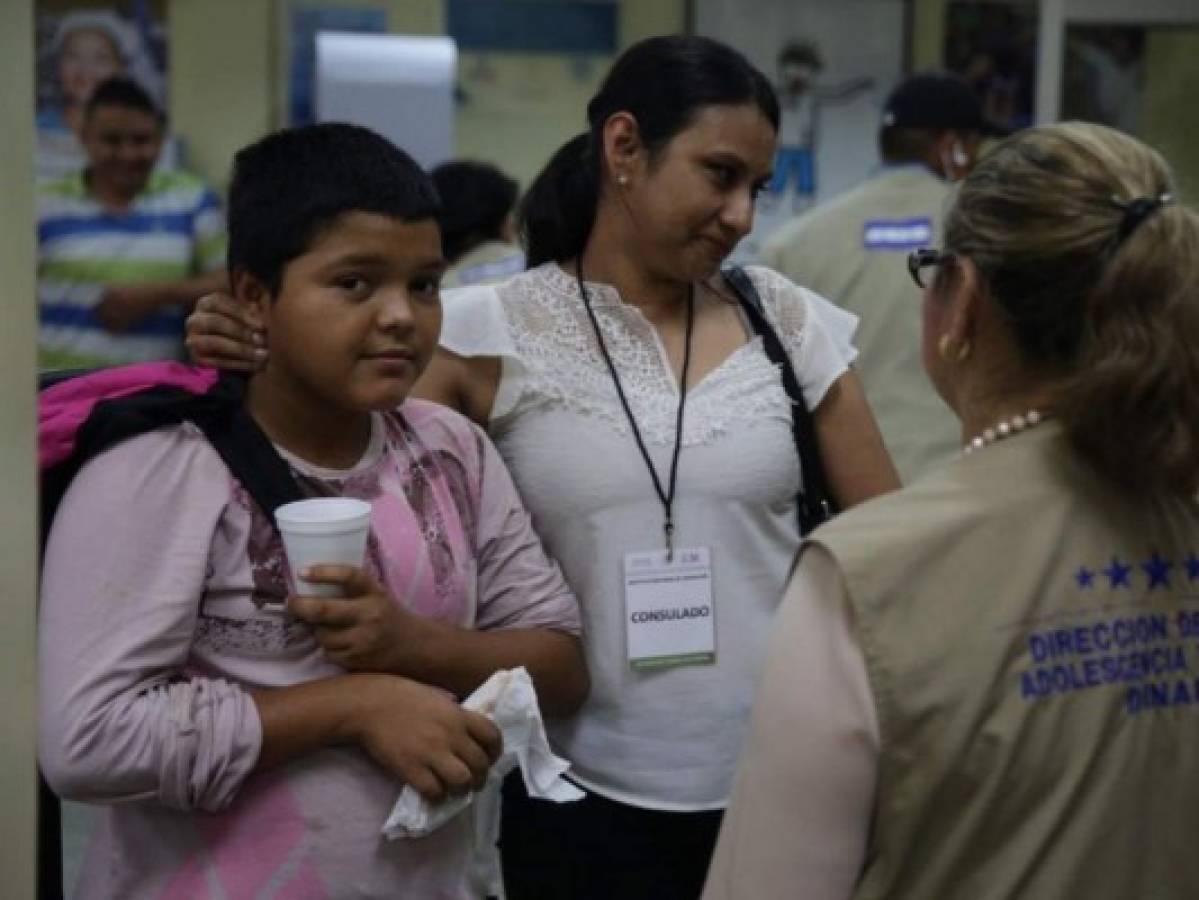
column 162, row 605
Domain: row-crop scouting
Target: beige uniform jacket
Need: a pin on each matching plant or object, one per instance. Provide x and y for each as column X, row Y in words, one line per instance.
column 983, row 686
column 853, row 250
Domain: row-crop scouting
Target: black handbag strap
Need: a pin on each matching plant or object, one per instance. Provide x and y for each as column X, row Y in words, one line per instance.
column 248, row 452
column 815, row 503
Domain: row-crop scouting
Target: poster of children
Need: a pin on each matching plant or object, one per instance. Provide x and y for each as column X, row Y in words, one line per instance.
column 76, row 51
column 831, row 76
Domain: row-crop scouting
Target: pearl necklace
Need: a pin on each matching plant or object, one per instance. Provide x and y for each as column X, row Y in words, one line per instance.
column 1003, row 429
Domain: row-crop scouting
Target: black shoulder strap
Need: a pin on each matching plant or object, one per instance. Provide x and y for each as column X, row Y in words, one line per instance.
column 815, row 501
column 247, row 451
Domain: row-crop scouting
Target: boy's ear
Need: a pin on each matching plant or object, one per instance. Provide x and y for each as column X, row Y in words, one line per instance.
column 253, row 295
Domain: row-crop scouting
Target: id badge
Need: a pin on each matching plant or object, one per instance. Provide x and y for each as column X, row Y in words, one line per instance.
column 670, row 617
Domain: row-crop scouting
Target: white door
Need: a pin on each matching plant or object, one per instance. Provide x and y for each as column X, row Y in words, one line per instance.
column 1134, row 66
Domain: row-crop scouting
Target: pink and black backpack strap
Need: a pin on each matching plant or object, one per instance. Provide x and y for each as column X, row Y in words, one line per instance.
column 80, row 415
column 66, row 399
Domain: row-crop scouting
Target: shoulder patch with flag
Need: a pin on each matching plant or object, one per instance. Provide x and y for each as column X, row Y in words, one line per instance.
column 897, row 234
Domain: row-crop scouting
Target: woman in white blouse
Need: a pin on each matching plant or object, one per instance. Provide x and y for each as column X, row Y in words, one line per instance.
column 575, row 368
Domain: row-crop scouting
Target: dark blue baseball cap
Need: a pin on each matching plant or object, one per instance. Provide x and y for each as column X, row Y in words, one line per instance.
column 938, row 100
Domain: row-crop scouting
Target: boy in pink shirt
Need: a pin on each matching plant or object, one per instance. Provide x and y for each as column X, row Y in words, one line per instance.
column 247, row 742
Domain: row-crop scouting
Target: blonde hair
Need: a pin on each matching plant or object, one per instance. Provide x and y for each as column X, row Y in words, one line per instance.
column 1113, row 314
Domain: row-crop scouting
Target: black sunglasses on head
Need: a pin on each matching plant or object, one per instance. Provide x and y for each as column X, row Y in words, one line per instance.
column 924, row 258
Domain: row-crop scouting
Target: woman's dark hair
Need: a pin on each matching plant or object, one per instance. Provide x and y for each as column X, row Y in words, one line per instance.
column 476, row 199
column 291, row 185
column 664, row 82
column 1076, row 236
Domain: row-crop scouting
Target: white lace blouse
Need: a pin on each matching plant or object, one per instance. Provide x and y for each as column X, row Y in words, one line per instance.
column 665, row 739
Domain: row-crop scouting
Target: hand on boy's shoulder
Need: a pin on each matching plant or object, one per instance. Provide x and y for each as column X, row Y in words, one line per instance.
column 223, row 334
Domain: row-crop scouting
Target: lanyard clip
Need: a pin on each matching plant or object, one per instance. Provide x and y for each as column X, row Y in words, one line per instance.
column 668, row 529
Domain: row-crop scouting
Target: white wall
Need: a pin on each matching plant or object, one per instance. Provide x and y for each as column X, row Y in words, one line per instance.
column 520, row 108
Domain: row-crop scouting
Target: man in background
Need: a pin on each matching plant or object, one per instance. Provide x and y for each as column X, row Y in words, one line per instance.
column 478, row 228
column 853, row 251
column 123, row 251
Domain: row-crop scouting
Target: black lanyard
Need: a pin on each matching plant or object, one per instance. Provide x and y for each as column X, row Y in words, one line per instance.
column 667, row 497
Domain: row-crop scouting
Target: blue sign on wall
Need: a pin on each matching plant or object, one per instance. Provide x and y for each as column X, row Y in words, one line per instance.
column 306, row 22
column 534, row 26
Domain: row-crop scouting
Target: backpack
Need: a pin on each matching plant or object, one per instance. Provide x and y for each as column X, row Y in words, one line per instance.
column 81, row 414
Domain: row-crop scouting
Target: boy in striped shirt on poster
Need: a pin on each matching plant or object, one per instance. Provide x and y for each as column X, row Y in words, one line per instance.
column 123, row 250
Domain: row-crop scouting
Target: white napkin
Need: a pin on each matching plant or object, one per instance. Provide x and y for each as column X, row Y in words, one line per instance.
column 508, row 699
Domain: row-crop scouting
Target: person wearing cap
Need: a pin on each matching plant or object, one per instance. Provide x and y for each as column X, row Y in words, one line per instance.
column 851, row 249
column 984, row 685
column 478, row 228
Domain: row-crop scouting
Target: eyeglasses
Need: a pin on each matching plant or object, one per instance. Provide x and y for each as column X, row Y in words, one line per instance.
column 925, row 258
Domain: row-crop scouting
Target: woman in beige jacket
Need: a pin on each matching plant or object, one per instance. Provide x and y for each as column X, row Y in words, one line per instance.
column 987, row 685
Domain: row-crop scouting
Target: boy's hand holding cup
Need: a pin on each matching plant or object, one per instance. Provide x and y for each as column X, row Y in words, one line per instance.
column 354, row 620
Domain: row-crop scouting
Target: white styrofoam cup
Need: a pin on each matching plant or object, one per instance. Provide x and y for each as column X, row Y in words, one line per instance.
column 323, row 531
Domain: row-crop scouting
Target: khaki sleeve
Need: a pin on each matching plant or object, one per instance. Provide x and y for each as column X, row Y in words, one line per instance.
column 800, row 813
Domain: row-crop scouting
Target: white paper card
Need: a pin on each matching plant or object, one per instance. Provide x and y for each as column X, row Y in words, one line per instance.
column 670, row 617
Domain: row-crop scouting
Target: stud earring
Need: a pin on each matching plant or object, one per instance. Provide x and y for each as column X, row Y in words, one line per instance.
column 945, row 348
column 622, row 180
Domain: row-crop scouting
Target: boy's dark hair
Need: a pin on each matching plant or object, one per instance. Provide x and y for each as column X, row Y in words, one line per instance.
column 293, row 184
column 476, row 198
column 121, row 92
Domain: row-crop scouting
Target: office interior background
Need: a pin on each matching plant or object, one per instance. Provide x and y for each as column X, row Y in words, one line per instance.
column 227, row 71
